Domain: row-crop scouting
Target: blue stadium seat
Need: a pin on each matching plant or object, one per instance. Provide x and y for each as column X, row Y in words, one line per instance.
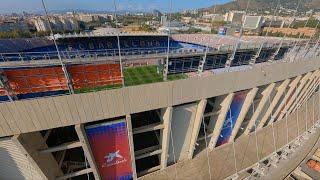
column 40, row 48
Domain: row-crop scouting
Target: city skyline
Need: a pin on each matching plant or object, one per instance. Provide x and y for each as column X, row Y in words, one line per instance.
column 19, row 6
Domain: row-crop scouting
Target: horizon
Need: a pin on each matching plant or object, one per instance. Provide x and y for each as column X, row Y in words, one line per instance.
column 35, row 6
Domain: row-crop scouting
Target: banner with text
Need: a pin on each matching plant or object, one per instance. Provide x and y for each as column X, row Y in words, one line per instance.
column 110, row 147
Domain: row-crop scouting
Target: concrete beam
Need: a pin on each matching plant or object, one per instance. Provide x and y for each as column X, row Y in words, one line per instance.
column 280, row 91
column 257, row 110
column 310, row 89
column 244, row 110
column 87, row 150
column 147, row 171
column 148, row 154
column 309, row 93
column 292, row 99
column 304, row 90
column 165, row 137
column 225, row 104
column 147, row 128
column 196, row 127
column 301, row 174
column 65, row 146
column 292, row 87
column 44, row 164
column 60, row 161
column 131, row 146
column 75, row 174
column 146, row 150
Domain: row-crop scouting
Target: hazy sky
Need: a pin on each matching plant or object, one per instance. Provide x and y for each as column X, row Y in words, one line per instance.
column 9, row 6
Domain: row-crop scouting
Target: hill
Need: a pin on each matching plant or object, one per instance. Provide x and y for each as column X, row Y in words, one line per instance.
column 265, row 5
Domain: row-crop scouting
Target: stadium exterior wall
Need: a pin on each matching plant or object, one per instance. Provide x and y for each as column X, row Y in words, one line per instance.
column 52, row 112
column 222, row 158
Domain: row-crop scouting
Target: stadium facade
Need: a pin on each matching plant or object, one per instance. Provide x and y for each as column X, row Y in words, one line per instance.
column 153, row 107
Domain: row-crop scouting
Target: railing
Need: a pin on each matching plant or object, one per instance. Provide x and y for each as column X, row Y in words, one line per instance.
column 81, row 54
column 111, row 56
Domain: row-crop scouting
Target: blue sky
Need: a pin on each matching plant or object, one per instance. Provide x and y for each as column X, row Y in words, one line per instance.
column 9, row 6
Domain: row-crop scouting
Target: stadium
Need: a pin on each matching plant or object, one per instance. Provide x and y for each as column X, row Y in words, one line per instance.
column 92, row 62
column 153, row 106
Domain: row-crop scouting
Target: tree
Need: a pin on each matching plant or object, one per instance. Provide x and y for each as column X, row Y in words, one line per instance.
column 15, row 34
column 146, row 28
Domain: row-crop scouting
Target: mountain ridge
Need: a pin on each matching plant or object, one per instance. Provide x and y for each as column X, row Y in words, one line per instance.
column 305, row 5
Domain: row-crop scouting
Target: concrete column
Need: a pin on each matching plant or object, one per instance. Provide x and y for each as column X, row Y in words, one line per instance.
column 246, row 105
column 87, row 150
column 131, row 146
column 312, row 91
column 265, row 97
column 68, row 77
column 280, row 91
column 220, row 120
column 309, row 92
column 308, row 89
column 4, row 83
column 257, row 55
column 292, row 87
column 304, row 90
column 202, row 62
column 45, row 164
column 196, row 127
column 292, row 99
column 166, row 118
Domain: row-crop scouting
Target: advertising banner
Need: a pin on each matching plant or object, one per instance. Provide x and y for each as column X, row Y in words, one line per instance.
column 231, row 117
column 110, row 148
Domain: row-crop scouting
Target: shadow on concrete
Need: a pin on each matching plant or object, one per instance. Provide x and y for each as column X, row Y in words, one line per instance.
column 9, row 169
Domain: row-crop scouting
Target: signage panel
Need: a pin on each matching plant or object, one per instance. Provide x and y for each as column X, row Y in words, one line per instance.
column 231, row 117
column 110, row 147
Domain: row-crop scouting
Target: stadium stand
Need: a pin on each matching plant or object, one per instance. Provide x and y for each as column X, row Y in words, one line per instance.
column 70, row 48
column 186, row 54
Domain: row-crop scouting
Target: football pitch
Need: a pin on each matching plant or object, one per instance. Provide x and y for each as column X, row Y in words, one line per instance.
column 145, row 75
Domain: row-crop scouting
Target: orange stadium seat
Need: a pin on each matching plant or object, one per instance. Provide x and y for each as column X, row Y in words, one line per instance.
column 24, row 81
column 94, row 75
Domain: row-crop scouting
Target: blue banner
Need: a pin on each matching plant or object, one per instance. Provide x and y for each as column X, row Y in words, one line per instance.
column 231, row 117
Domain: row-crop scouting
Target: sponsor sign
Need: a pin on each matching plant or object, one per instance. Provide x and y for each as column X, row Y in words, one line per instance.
column 110, row 147
column 222, row 31
column 231, row 117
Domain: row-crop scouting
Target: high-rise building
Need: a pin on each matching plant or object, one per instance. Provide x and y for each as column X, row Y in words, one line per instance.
column 235, row 17
column 163, row 21
column 41, row 24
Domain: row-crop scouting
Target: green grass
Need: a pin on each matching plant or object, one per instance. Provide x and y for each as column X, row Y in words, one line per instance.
column 108, row 87
column 145, row 75
column 173, row 77
column 141, row 75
